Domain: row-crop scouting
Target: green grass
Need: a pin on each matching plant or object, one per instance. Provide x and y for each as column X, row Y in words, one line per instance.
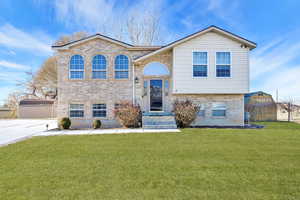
column 226, row 164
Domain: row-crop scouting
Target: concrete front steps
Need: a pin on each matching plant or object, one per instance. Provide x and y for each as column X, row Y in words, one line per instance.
column 159, row 121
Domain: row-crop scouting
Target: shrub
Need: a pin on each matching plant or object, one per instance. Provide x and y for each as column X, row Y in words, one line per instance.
column 64, row 123
column 129, row 115
column 185, row 112
column 96, row 124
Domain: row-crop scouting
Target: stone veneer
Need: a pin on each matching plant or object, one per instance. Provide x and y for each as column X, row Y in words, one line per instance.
column 110, row 91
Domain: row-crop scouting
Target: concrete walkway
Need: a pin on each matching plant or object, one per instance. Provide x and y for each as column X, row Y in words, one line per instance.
column 105, row 131
column 12, row 131
column 15, row 130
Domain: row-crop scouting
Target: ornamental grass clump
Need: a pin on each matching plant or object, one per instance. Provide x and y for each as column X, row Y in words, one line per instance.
column 128, row 114
column 185, row 112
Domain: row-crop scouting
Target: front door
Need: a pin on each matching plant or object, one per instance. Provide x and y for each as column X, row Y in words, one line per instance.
column 156, row 95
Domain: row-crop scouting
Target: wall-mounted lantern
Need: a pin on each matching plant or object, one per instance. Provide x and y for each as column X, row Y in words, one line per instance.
column 136, row 80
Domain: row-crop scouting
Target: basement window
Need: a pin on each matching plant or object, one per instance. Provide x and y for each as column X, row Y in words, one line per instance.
column 99, row 110
column 76, row 110
column 201, row 112
column 219, row 110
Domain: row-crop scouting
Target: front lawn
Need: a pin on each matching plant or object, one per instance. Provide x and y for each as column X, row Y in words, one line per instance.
column 196, row 164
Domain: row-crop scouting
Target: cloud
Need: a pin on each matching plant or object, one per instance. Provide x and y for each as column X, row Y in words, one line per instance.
column 12, row 37
column 286, row 81
column 274, row 55
column 11, row 65
column 103, row 16
column 274, row 66
column 229, row 16
column 92, row 15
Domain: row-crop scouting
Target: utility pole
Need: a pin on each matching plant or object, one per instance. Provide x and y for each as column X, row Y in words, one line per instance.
column 289, row 111
column 277, row 96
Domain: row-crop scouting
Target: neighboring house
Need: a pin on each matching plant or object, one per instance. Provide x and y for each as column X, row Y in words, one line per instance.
column 261, row 106
column 36, row 109
column 5, row 113
column 282, row 112
column 209, row 67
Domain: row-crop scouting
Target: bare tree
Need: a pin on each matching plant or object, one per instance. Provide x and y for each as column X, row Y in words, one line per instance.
column 12, row 103
column 289, row 107
column 69, row 38
column 144, row 29
column 43, row 83
column 46, row 78
column 29, row 86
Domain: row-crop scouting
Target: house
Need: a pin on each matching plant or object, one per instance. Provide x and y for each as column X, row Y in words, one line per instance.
column 36, row 109
column 283, row 114
column 209, row 67
column 261, row 106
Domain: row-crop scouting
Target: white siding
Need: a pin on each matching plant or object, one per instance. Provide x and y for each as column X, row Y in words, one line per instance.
column 185, row 83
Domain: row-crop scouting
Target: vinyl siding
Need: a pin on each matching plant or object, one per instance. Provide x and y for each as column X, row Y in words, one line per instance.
column 185, row 83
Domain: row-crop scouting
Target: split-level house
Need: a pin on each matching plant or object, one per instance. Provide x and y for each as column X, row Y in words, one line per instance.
column 209, row 67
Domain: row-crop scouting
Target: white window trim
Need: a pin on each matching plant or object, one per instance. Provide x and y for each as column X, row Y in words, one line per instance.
column 76, row 110
column 201, row 108
column 100, row 109
column 200, row 77
column 128, row 70
column 223, row 64
column 100, row 70
column 76, row 70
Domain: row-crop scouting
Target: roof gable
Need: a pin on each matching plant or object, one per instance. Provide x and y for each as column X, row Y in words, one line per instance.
column 158, row 49
column 105, row 38
column 92, row 37
column 215, row 29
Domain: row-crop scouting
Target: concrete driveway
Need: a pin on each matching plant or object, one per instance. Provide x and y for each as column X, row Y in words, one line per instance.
column 18, row 129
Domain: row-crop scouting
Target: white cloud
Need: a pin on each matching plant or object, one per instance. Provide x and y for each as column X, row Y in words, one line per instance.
column 7, row 64
column 12, row 37
column 92, row 14
column 229, row 16
column 274, row 67
column 273, row 56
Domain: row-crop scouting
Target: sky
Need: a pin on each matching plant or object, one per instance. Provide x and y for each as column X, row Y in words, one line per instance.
column 29, row 27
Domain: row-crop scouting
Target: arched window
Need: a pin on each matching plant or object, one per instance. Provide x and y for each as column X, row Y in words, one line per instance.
column 121, row 67
column 76, row 67
column 99, row 67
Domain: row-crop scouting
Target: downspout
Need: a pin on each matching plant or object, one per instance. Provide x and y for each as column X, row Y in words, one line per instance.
column 133, row 84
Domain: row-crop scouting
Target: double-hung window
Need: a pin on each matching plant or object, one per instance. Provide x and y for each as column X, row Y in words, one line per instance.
column 99, row 110
column 76, row 67
column 76, row 110
column 219, row 110
column 223, row 64
column 200, row 64
column 99, row 67
column 121, row 67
